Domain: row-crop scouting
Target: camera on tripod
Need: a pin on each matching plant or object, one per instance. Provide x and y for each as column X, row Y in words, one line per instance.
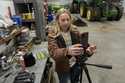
column 84, row 41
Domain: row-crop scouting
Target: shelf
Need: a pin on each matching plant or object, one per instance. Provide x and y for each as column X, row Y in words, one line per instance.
column 22, row 1
column 28, row 20
column 12, row 35
column 28, row 45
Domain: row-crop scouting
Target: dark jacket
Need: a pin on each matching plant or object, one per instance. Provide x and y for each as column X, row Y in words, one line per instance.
column 58, row 51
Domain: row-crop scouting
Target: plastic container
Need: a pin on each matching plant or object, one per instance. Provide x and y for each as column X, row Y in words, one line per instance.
column 17, row 20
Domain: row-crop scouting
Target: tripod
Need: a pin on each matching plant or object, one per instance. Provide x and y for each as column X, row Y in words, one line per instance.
column 83, row 66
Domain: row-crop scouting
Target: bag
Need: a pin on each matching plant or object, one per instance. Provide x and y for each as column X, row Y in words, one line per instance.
column 29, row 59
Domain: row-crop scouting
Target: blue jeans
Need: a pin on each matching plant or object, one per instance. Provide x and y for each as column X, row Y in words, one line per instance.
column 72, row 76
column 64, row 77
column 75, row 73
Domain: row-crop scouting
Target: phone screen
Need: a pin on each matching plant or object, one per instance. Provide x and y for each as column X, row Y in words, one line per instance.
column 84, row 39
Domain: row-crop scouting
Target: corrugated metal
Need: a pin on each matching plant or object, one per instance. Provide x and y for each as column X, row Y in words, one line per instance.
column 124, row 5
column 4, row 4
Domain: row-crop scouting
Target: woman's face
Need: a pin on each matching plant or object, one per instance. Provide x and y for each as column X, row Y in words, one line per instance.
column 64, row 21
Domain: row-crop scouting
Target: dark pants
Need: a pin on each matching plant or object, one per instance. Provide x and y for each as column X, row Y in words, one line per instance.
column 72, row 76
column 64, row 77
column 75, row 73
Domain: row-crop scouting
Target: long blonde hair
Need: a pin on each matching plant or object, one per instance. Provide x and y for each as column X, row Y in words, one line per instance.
column 56, row 28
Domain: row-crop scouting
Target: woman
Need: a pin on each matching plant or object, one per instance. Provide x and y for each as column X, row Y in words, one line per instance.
column 64, row 47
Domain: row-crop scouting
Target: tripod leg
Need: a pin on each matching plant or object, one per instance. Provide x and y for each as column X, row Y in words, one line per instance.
column 87, row 73
column 81, row 74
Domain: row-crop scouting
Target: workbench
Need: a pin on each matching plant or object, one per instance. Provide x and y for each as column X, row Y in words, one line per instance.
column 38, row 69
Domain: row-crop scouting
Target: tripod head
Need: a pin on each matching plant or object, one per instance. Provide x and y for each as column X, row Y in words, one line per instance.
column 82, row 61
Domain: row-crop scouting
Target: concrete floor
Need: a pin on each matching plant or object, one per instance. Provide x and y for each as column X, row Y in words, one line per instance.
column 109, row 37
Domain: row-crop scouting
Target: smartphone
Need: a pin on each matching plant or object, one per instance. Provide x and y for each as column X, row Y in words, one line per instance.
column 84, row 39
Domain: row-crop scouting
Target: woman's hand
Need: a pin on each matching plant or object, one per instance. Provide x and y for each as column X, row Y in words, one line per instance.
column 91, row 49
column 75, row 50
